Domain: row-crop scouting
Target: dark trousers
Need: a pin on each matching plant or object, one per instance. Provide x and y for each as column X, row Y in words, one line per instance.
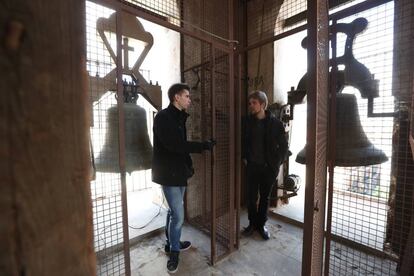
column 260, row 179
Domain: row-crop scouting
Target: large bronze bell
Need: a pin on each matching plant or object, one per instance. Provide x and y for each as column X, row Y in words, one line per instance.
column 352, row 147
column 138, row 148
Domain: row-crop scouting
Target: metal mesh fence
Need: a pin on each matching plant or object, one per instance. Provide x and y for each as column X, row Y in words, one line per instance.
column 208, row 17
column 207, row 71
column 208, row 195
column 267, row 18
column 198, row 75
column 372, row 204
column 106, row 188
column 400, row 226
column 223, row 196
column 168, row 10
column 361, row 193
column 348, row 261
column 202, row 199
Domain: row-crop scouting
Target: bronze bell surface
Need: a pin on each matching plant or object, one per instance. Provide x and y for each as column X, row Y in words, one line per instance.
column 352, row 147
column 138, row 148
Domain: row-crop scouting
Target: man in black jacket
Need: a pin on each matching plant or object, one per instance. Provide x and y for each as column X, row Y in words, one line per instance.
column 172, row 165
column 264, row 149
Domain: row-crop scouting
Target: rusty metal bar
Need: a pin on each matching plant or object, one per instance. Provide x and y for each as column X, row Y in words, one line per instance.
column 206, row 63
column 318, row 59
column 121, row 139
column 232, row 127
column 128, row 7
column 274, row 38
column 213, row 154
column 310, row 146
column 331, row 150
column 238, row 149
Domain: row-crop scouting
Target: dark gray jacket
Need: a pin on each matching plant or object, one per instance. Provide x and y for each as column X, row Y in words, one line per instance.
column 276, row 145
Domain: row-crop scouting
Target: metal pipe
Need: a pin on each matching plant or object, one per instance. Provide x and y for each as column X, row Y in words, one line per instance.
column 331, row 152
column 213, row 154
column 238, row 151
column 121, row 139
column 317, row 97
column 232, row 127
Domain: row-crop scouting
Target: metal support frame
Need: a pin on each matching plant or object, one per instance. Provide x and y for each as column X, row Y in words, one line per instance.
column 232, row 128
column 121, row 139
column 315, row 189
column 331, row 151
column 238, row 149
column 120, row 7
column 213, row 155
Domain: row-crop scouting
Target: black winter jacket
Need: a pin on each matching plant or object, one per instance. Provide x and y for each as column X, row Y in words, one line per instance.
column 276, row 145
column 171, row 162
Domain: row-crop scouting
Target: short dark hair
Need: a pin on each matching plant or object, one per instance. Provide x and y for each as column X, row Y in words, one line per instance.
column 260, row 96
column 175, row 89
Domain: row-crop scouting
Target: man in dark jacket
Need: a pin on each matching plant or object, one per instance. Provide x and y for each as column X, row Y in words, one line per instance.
column 172, row 165
column 264, row 149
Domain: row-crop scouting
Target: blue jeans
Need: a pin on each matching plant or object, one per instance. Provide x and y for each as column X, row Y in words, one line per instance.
column 175, row 216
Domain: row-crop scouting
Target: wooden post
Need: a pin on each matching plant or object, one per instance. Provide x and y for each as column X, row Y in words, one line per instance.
column 46, row 221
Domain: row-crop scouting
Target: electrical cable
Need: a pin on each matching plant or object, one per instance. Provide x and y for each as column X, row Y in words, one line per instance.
column 151, row 220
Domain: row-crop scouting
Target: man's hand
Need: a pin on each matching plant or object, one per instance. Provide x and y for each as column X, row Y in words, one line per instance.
column 209, row 144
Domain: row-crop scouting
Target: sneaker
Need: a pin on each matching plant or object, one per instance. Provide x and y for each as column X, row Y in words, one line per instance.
column 184, row 245
column 172, row 264
column 263, row 232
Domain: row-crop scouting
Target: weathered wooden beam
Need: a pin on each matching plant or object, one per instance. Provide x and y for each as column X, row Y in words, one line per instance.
column 46, row 228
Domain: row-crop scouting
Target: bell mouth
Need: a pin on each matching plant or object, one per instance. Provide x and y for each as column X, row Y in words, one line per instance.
column 352, row 157
column 352, row 146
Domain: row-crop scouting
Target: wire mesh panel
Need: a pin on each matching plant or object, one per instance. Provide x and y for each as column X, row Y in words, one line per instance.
column 223, row 196
column 372, row 202
column 167, row 10
column 400, row 226
column 209, row 197
column 106, row 187
column 268, row 18
column 345, row 260
column 361, row 192
column 209, row 17
column 197, row 74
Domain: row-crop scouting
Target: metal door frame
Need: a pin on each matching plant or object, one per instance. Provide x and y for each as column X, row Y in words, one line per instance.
column 123, row 6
